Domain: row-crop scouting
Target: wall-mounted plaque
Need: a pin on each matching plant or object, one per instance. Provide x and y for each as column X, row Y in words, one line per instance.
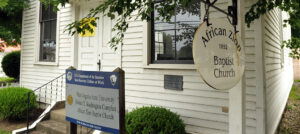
column 173, row 82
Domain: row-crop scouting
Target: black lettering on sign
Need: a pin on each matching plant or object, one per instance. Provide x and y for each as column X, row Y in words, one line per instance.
column 223, row 46
column 173, row 82
column 204, row 41
column 213, row 32
column 221, row 73
column 223, row 61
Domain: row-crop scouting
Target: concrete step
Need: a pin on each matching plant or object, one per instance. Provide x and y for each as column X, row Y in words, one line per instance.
column 51, row 127
column 57, row 124
column 59, row 115
column 37, row 132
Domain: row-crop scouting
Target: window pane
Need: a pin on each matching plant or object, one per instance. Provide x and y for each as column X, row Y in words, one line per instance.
column 187, row 22
column 53, row 30
column 48, row 12
column 164, row 45
column 164, row 33
column 45, row 14
column 172, row 41
column 48, row 49
column 48, row 32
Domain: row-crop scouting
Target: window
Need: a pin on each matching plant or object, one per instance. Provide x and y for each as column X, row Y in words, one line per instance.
column 48, row 34
column 172, row 42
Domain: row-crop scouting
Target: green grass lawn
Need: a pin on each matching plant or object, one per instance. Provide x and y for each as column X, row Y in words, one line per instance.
column 295, row 93
column 4, row 132
column 290, row 122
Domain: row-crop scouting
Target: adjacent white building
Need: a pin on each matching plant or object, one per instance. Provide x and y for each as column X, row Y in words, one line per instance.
column 155, row 49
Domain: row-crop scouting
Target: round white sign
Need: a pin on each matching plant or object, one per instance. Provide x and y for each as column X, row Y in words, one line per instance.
column 218, row 54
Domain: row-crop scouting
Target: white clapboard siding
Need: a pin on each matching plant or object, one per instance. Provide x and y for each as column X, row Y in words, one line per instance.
column 250, row 103
column 34, row 75
column 278, row 70
column 198, row 105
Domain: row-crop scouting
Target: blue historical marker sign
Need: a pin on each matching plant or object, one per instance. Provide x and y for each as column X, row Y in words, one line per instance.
column 92, row 100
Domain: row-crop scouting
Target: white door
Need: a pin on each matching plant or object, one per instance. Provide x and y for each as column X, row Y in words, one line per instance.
column 110, row 59
column 93, row 49
column 87, row 46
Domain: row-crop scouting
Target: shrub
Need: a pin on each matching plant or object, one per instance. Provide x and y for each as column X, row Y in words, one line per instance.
column 154, row 120
column 13, row 102
column 11, row 64
column 6, row 80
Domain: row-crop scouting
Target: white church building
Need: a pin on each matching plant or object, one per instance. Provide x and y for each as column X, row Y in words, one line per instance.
column 150, row 51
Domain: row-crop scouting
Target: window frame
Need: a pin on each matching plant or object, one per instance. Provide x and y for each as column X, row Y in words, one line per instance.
column 38, row 39
column 152, row 44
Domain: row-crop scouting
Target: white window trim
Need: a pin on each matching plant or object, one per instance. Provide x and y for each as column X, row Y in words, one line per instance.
column 147, row 53
column 37, row 39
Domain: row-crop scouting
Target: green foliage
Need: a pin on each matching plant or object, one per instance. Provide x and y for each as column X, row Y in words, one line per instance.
column 122, row 10
column 13, row 102
column 7, row 79
column 11, row 20
column 263, row 6
column 11, row 64
column 293, row 9
column 294, row 45
column 55, row 3
column 154, row 120
column 289, row 107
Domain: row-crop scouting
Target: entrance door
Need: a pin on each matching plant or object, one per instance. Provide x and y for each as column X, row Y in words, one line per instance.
column 93, row 49
column 87, row 46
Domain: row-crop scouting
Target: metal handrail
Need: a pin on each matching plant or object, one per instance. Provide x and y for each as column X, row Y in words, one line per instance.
column 39, row 96
column 49, row 82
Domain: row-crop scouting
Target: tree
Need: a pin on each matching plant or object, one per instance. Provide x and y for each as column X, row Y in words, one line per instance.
column 11, row 20
column 294, row 43
column 122, row 10
column 293, row 9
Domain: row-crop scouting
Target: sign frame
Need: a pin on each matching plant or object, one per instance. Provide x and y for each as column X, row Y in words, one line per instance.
column 72, row 128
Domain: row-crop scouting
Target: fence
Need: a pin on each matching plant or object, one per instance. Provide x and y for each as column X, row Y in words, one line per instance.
column 8, row 84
